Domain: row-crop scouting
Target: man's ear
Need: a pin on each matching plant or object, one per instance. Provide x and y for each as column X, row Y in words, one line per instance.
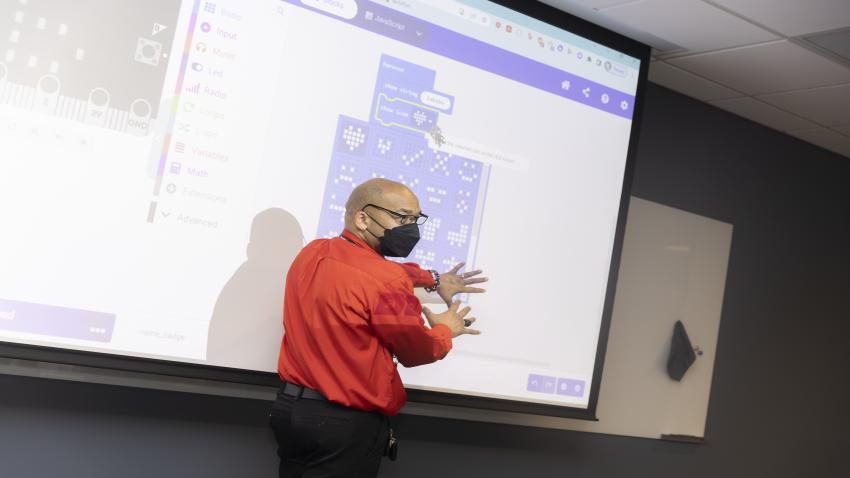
column 360, row 219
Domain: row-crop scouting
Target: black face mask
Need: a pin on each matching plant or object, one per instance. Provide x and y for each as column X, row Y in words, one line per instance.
column 398, row 241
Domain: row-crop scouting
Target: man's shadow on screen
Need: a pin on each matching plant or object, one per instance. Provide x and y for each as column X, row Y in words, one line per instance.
column 247, row 322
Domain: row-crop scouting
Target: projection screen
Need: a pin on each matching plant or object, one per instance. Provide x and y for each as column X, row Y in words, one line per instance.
column 162, row 162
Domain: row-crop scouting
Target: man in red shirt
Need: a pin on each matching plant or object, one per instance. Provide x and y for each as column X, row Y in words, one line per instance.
column 348, row 313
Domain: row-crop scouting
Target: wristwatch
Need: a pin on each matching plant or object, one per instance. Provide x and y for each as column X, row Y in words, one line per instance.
column 436, row 276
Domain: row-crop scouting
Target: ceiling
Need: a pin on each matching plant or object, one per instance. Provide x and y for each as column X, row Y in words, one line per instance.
column 782, row 63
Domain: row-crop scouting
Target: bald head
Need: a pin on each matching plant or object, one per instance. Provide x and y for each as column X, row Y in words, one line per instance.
column 382, row 193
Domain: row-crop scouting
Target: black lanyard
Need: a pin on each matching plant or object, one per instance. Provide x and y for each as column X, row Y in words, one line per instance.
column 349, row 240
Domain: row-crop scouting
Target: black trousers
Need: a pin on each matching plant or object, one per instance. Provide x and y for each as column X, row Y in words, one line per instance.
column 317, row 438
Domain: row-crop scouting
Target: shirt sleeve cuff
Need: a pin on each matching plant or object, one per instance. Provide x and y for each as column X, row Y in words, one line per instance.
column 420, row 277
column 442, row 331
column 442, row 335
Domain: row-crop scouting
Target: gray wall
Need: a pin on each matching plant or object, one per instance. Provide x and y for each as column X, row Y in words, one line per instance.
column 781, row 390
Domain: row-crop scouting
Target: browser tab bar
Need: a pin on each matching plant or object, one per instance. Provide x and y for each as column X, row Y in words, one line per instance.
column 402, row 27
column 342, row 8
column 525, row 38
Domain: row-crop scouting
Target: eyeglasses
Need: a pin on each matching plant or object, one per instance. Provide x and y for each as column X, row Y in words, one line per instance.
column 403, row 219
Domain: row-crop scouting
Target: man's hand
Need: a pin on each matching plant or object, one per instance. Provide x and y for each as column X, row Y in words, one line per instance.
column 453, row 319
column 452, row 283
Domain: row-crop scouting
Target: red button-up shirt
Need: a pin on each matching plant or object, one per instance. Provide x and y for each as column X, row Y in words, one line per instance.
column 347, row 310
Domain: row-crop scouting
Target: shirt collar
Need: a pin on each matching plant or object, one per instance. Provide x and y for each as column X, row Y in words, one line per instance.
column 358, row 242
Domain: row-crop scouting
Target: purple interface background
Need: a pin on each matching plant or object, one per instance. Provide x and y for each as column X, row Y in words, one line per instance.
column 392, row 145
column 554, row 385
column 54, row 321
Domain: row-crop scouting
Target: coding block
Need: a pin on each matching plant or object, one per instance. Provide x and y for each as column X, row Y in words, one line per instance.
column 392, row 144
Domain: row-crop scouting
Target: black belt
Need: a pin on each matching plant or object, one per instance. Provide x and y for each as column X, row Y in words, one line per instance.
column 299, row 391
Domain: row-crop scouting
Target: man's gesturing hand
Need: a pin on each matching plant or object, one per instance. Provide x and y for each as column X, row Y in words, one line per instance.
column 453, row 319
column 452, row 283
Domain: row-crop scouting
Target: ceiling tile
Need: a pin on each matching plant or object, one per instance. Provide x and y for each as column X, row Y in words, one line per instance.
column 692, row 24
column 763, row 113
column 826, row 139
column 836, row 42
column 768, row 68
column 687, row 83
column 793, row 17
column 829, row 106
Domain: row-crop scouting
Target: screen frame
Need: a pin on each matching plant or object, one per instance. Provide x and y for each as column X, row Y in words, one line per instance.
column 533, row 9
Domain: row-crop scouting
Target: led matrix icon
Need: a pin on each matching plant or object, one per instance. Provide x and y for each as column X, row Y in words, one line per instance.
column 419, row 117
column 353, row 137
column 384, row 146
